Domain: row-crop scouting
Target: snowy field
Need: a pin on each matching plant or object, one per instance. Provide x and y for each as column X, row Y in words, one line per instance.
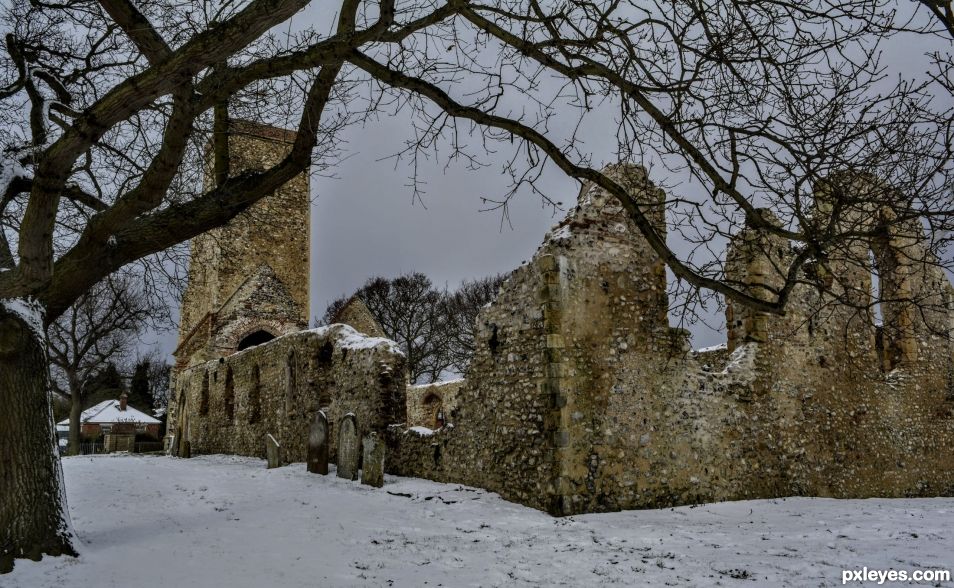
column 227, row 521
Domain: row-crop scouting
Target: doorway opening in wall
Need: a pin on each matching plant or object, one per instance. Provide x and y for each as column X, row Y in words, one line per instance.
column 875, row 310
column 256, row 338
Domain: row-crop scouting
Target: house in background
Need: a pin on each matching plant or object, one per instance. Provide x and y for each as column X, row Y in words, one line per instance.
column 118, row 422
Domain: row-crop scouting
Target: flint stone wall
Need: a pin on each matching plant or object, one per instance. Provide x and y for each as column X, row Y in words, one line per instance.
column 581, row 398
column 279, row 387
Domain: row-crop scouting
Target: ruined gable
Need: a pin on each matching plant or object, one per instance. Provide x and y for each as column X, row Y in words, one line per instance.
column 356, row 314
column 581, row 398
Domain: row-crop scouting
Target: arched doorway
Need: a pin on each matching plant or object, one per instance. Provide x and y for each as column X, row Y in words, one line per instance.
column 434, row 409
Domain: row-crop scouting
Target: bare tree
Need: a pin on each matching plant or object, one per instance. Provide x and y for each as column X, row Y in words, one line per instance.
column 158, row 372
column 411, row 312
column 102, row 326
column 435, row 328
column 108, row 107
column 460, row 309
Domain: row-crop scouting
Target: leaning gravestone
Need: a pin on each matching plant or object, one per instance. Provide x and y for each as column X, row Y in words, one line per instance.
column 348, row 448
column 372, row 469
column 318, row 445
column 273, row 452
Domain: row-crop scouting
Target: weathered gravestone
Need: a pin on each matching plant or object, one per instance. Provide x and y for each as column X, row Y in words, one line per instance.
column 273, row 452
column 318, row 445
column 372, row 467
column 348, row 448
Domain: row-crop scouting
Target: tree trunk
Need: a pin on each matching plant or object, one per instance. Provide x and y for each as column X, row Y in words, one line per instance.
column 33, row 516
column 76, row 410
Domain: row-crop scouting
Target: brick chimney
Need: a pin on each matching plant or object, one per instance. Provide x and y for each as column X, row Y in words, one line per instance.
column 122, row 401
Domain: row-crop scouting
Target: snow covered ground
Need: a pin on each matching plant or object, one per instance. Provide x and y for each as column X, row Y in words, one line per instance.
column 227, row 521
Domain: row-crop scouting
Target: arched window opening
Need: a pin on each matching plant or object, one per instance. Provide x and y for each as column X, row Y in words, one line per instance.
column 291, row 383
column 204, row 395
column 229, row 397
column 255, row 398
column 896, row 342
column 434, row 407
column 256, row 338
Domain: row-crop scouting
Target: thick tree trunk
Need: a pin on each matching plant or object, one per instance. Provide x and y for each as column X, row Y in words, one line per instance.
column 76, row 409
column 33, row 516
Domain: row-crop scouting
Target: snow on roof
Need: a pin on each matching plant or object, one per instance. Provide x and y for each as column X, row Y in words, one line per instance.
column 108, row 411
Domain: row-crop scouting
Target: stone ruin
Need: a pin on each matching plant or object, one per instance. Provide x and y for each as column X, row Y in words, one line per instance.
column 581, row 397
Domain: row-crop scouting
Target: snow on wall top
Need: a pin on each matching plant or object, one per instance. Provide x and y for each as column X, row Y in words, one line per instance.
column 437, row 383
column 347, row 337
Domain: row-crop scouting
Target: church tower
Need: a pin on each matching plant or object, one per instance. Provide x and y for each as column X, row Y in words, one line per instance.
column 248, row 280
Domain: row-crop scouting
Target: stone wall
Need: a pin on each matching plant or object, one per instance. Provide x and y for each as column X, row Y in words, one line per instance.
column 230, row 404
column 581, row 398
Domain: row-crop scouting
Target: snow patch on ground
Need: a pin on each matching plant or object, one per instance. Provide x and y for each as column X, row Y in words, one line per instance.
column 228, row 521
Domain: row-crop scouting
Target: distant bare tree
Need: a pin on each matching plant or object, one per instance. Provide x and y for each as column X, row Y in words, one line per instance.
column 102, row 326
column 409, row 310
column 158, row 374
column 460, row 309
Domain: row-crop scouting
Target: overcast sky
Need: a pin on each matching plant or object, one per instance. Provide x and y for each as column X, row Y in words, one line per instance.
column 365, row 221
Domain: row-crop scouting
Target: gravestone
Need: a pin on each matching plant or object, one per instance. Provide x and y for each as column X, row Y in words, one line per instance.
column 318, row 445
column 348, row 448
column 372, row 468
column 185, row 449
column 273, row 452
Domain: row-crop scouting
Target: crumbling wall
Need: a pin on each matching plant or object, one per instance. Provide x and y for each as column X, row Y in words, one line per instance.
column 229, row 405
column 581, row 398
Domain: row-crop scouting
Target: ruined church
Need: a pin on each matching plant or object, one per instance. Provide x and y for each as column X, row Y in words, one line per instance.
column 580, row 396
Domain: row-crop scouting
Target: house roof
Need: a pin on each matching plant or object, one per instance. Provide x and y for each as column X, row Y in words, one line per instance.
column 107, row 412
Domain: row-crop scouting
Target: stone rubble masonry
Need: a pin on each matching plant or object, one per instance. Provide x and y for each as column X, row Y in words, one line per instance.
column 229, row 405
column 252, row 273
column 581, row 398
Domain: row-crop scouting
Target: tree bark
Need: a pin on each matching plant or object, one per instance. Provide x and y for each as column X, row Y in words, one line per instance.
column 76, row 409
column 33, row 515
